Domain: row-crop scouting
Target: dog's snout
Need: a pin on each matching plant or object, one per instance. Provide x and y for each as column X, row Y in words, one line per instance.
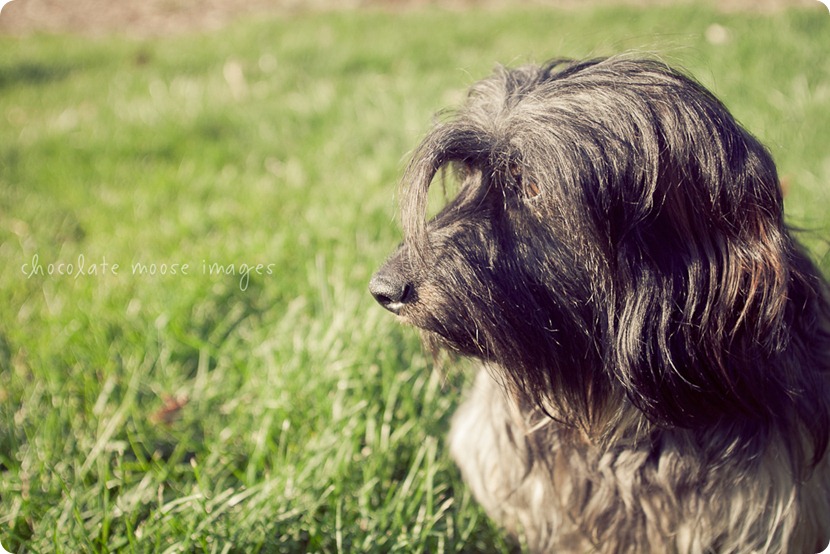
column 391, row 289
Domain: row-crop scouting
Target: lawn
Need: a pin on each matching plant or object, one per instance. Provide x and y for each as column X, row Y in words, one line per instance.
column 189, row 358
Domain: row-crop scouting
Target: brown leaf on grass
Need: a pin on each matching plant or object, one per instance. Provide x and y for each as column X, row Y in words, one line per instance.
column 170, row 409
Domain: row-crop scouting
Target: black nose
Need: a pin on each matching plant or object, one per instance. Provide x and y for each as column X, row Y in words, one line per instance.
column 391, row 290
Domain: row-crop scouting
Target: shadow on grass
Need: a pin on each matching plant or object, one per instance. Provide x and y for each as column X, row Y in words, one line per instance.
column 28, row 73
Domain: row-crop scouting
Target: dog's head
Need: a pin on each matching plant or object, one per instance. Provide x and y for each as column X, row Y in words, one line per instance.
column 616, row 238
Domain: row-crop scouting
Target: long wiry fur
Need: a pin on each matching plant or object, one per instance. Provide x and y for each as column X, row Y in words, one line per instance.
column 655, row 343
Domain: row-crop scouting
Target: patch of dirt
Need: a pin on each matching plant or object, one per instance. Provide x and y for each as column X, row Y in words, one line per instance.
column 164, row 17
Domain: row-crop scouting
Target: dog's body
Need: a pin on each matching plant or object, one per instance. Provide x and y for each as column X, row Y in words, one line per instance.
column 656, row 345
column 565, row 495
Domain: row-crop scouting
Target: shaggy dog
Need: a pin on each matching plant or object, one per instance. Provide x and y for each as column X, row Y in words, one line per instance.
column 655, row 344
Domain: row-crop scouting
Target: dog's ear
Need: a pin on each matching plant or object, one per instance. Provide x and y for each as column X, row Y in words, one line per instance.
column 698, row 314
column 706, row 288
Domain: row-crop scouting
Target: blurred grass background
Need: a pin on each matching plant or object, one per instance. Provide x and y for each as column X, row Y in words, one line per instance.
column 281, row 411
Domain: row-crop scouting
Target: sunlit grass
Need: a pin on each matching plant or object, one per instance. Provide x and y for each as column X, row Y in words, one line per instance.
column 278, row 408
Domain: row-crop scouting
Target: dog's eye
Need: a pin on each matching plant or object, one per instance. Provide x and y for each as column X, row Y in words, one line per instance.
column 528, row 187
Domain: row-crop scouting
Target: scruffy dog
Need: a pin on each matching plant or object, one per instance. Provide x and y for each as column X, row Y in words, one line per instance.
column 655, row 344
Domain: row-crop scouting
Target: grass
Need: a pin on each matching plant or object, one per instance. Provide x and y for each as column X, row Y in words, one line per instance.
column 276, row 408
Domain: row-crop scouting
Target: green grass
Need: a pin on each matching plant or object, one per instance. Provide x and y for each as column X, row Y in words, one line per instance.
column 284, row 411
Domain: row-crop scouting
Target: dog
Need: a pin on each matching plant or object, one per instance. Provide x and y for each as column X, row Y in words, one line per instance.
column 654, row 342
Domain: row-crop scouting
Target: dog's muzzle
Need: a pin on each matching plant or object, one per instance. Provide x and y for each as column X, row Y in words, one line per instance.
column 391, row 287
